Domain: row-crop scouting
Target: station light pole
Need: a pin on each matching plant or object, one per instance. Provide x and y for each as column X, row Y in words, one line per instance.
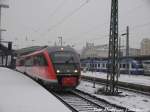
column 127, row 47
column 2, row 6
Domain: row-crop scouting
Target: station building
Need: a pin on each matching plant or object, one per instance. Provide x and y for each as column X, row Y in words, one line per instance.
column 91, row 50
column 145, row 46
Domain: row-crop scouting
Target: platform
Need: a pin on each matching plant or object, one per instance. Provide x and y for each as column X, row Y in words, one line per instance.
column 18, row 93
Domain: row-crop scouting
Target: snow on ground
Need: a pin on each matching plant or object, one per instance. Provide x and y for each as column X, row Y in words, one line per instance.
column 136, row 79
column 134, row 101
column 19, row 93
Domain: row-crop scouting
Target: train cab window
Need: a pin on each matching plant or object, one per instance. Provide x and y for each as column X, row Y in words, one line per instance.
column 64, row 57
column 40, row 60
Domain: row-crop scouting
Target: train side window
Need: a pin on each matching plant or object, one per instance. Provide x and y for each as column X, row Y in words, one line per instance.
column 92, row 65
column 124, row 65
column 95, row 65
column 120, row 66
column 29, row 61
column 35, row 61
column 127, row 65
column 21, row 62
column 133, row 65
column 42, row 60
column 106, row 65
column 103, row 65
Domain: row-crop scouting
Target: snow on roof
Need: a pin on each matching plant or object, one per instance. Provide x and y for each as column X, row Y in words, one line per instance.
column 21, row 94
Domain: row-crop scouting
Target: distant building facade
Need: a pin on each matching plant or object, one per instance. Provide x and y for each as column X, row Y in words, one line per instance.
column 90, row 50
column 132, row 52
column 145, row 46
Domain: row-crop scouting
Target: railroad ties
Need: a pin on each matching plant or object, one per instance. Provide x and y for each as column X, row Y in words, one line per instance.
column 79, row 101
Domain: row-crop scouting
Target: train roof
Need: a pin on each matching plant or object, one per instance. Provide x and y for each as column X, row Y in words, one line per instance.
column 50, row 49
column 60, row 48
column 28, row 50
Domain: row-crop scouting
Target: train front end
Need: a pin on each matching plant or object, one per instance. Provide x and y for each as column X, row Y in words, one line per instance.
column 66, row 64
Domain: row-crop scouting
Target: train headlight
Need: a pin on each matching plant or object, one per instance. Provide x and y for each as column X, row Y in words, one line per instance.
column 62, row 48
column 75, row 71
column 58, row 71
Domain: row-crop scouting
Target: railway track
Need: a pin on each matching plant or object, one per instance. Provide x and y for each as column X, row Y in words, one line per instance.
column 121, row 85
column 79, row 101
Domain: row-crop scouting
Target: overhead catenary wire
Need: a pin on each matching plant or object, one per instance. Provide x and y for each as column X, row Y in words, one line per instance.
column 54, row 12
column 57, row 8
column 107, row 36
column 140, row 25
column 68, row 16
column 73, row 12
column 96, row 27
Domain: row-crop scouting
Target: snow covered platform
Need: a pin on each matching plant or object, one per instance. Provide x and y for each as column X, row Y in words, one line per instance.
column 132, row 100
column 133, row 79
column 19, row 93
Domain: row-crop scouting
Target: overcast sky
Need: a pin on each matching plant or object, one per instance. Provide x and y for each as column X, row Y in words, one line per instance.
column 40, row 22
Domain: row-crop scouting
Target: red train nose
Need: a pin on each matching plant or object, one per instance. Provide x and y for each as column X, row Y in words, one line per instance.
column 69, row 81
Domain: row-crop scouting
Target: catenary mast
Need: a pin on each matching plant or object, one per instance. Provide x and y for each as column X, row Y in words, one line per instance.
column 113, row 54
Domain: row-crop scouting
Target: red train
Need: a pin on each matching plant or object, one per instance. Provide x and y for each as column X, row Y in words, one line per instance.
column 58, row 67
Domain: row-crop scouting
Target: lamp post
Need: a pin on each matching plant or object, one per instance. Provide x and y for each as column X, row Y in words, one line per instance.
column 127, row 47
column 1, row 30
column 2, row 6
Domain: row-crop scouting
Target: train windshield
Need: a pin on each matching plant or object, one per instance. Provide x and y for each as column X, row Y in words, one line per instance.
column 64, row 57
column 65, row 62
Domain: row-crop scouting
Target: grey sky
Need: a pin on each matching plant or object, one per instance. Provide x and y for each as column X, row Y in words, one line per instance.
column 42, row 21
